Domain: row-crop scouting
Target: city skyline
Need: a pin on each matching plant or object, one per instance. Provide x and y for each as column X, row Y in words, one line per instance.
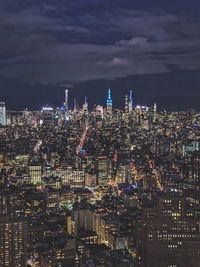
column 81, row 187
column 170, row 103
column 99, row 133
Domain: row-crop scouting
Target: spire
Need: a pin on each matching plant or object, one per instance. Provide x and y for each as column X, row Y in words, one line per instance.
column 130, row 102
column 75, row 107
column 66, row 104
column 66, row 97
column 154, row 112
column 155, row 107
column 109, row 99
column 131, row 96
column 109, row 93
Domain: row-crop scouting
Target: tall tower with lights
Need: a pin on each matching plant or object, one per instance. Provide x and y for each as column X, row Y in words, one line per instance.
column 109, row 104
column 66, row 104
column 154, row 112
column 85, row 106
column 2, row 114
column 130, row 102
column 126, row 104
column 75, row 104
column 66, row 98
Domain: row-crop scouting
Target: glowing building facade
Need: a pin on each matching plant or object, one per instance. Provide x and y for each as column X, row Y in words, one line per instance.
column 130, row 102
column 109, row 104
column 2, row 114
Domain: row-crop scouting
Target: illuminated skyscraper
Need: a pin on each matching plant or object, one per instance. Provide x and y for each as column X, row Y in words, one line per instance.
column 130, row 102
column 126, row 103
column 85, row 106
column 109, row 99
column 154, row 112
column 13, row 242
column 168, row 229
column 109, row 103
column 2, row 114
column 66, row 107
column 75, row 105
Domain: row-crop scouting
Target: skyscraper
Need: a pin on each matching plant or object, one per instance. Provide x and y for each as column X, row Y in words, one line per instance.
column 66, row 98
column 154, row 112
column 191, row 177
column 126, row 103
column 130, row 102
column 168, row 233
column 2, row 113
column 13, row 242
column 66, row 107
column 85, row 106
column 75, row 104
column 109, row 103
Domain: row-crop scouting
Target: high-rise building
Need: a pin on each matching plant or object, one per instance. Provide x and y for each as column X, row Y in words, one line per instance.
column 85, row 107
column 109, row 104
column 47, row 116
column 66, row 105
column 168, row 234
column 102, row 170
column 66, row 99
column 126, row 103
column 13, row 242
column 154, row 112
column 2, row 114
column 191, row 177
column 35, row 173
column 81, row 219
column 130, row 102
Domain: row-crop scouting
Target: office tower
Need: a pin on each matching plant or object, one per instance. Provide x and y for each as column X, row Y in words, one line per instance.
column 35, row 173
column 130, row 102
column 47, row 116
column 102, row 170
column 190, row 148
column 126, row 103
column 191, row 177
column 168, row 234
column 109, row 104
column 60, row 254
column 85, row 107
column 2, row 114
column 81, row 219
column 13, row 242
column 75, row 104
column 66, row 105
column 66, row 99
column 154, row 112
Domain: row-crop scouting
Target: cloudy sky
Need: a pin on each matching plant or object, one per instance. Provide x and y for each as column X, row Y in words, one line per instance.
column 149, row 46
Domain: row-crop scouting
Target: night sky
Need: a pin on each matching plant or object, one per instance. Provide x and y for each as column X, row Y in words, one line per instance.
column 149, row 46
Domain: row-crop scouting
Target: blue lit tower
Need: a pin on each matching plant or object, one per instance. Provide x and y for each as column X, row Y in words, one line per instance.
column 109, row 99
column 109, row 104
column 130, row 102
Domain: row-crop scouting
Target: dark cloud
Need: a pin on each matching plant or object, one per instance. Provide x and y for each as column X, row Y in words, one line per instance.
column 71, row 42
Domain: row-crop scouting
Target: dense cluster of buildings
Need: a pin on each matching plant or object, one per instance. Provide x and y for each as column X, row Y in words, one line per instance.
column 104, row 187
